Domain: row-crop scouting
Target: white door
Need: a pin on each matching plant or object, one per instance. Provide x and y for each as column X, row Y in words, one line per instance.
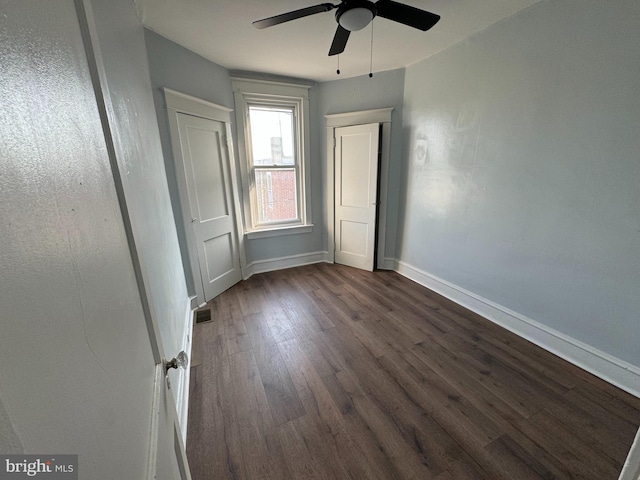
column 205, row 155
column 356, row 179
column 81, row 366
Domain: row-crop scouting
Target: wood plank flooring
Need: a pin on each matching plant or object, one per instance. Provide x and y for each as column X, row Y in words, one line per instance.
column 328, row 372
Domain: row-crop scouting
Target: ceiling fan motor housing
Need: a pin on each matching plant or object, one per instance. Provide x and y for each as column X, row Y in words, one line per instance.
column 354, row 15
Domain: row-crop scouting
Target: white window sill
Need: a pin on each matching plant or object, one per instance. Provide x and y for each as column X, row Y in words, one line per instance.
column 277, row 231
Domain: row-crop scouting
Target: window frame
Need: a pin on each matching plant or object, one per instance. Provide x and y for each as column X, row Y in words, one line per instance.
column 253, row 168
column 278, row 95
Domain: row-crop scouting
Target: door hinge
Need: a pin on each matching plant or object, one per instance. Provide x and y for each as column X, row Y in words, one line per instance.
column 334, row 143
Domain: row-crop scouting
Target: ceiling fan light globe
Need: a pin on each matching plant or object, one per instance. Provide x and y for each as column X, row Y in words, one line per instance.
column 355, row 19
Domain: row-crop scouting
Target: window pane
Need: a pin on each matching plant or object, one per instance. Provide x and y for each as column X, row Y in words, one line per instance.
column 272, row 135
column 276, row 195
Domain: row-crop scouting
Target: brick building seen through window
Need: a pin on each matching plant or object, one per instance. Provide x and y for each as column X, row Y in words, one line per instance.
column 277, row 196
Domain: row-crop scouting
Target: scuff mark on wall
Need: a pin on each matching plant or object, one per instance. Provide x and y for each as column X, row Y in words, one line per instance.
column 83, row 313
column 444, row 156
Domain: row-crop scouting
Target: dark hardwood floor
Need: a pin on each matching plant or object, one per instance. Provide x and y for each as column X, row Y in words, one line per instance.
column 330, row 372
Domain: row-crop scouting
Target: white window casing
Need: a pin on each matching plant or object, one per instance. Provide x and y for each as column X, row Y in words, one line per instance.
column 261, row 93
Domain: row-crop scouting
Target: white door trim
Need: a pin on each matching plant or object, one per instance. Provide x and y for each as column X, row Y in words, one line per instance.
column 631, row 467
column 383, row 117
column 176, row 103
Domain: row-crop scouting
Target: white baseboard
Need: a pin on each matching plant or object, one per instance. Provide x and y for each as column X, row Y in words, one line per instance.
column 262, row 266
column 611, row 369
column 182, row 392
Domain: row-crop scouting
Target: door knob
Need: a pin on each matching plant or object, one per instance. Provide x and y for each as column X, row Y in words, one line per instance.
column 193, row 220
column 179, row 361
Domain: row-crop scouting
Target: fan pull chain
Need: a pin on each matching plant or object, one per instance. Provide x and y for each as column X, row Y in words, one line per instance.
column 371, row 56
column 338, row 70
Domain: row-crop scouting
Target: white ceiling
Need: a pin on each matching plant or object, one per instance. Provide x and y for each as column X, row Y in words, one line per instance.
column 221, row 31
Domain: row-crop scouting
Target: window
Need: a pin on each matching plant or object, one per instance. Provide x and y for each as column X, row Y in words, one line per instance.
column 272, row 121
column 273, row 163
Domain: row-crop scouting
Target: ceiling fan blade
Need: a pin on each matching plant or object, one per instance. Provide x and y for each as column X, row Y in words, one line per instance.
column 339, row 41
column 406, row 14
column 285, row 17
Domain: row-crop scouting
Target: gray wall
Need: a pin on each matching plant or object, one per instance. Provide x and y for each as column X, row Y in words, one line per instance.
column 385, row 89
column 522, row 168
column 180, row 69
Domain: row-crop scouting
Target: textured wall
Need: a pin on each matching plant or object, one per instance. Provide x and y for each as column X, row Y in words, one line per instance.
column 522, row 168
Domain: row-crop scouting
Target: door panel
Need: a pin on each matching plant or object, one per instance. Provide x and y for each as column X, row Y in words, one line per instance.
column 356, row 157
column 209, row 188
column 79, row 357
column 353, row 238
column 355, row 168
column 218, row 265
column 206, row 164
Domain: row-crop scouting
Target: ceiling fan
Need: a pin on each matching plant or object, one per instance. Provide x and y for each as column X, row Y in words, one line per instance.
column 353, row 15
